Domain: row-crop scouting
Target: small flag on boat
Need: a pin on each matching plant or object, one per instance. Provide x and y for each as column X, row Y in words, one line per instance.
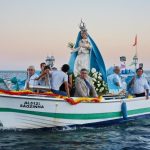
column 135, row 42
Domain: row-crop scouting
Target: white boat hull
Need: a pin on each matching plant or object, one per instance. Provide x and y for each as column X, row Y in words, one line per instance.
column 28, row 112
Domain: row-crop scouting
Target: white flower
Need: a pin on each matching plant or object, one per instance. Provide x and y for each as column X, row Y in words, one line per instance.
column 98, row 85
column 102, row 88
column 93, row 70
column 95, row 75
column 94, row 80
column 99, row 77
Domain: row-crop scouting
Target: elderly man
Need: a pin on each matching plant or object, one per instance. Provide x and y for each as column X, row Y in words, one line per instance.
column 116, row 78
column 140, row 85
column 31, row 76
column 84, row 86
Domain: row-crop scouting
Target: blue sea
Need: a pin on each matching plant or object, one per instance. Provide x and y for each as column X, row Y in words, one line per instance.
column 133, row 135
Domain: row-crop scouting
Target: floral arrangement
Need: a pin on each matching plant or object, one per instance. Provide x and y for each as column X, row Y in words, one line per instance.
column 71, row 45
column 100, row 86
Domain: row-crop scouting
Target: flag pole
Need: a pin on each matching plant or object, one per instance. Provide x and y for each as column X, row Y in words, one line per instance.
column 135, row 58
column 136, row 51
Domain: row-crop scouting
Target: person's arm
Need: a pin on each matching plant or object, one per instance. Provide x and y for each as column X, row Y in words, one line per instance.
column 70, row 81
column 146, row 86
column 26, row 87
column 40, row 76
column 67, row 88
column 147, row 93
column 94, row 93
column 43, row 74
column 131, row 82
column 116, row 82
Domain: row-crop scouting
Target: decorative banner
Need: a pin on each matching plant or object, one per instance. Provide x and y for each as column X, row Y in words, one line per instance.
column 50, row 94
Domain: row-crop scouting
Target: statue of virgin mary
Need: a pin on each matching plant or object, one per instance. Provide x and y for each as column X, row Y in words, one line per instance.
column 85, row 54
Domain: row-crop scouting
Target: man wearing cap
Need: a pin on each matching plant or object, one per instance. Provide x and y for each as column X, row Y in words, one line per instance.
column 31, row 76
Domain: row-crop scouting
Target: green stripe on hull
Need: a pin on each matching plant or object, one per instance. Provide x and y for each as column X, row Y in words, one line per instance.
column 139, row 111
column 77, row 116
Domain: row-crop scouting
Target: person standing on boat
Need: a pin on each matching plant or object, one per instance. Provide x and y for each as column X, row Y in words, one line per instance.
column 140, row 85
column 59, row 77
column 45, row 76
column 115, row 79
column 42, row 81
column 115, row 83
column 84, row 86
column 31, row 76
column 62, row 87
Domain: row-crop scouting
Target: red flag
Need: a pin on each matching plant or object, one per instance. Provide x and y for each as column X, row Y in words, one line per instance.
column 135, row 42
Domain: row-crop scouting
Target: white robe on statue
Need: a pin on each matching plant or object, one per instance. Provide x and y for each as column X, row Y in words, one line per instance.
column 83, row 57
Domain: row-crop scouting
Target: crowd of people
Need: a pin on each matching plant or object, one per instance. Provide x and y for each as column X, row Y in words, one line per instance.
column 61, row 82
column 138, row 86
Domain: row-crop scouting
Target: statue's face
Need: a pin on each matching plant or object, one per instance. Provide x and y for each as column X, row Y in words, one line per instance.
column 84, row 35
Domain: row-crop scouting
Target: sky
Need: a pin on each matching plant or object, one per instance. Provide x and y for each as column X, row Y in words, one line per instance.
column 32, row 29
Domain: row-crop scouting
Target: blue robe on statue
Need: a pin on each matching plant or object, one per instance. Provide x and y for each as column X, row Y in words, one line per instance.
column 96, row 60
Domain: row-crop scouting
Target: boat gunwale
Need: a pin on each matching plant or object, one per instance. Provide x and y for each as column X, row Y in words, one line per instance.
column 34, row 97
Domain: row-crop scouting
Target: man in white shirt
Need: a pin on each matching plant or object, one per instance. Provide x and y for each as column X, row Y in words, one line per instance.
column 116, row 78
column 140, row 85
column 31, row 76
column 58, row 77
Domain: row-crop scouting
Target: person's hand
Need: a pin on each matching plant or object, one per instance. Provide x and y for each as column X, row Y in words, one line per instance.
column 47, row 71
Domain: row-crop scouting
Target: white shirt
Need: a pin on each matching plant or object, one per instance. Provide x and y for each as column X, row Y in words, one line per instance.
column 115, row 78
column 140, row 85
column 32, row 81
column 57, row 79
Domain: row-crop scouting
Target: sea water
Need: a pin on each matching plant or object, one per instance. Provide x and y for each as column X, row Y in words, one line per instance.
column 133, row 135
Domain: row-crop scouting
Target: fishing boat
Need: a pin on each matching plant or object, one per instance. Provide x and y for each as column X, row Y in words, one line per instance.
column 31, row 112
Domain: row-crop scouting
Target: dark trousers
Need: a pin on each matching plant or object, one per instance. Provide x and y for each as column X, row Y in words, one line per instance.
column 59, row 92
column 140, row 95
